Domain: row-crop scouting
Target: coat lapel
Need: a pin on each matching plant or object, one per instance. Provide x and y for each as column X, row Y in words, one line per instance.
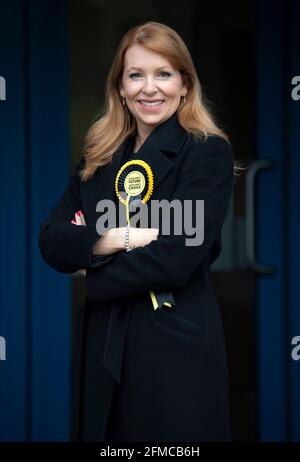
column 158, row 150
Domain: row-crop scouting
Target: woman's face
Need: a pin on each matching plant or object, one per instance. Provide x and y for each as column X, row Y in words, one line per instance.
column 151, row 86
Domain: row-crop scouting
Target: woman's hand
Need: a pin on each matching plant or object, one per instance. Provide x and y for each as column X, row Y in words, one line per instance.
column 79, row 220
column 139, row 237
column 113, row 240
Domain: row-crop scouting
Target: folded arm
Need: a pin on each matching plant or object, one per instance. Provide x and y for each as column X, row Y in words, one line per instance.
column 67, row 247
column 168, row 262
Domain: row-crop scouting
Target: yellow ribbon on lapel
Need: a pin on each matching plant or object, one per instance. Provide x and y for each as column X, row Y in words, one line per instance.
column 134, row 178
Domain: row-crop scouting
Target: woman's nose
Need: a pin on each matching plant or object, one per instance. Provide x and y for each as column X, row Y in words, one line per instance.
column 150, row 85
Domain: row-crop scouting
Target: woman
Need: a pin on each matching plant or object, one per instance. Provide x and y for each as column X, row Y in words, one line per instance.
column 152, row 362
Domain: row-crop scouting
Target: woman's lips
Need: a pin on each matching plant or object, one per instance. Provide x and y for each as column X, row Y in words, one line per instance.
column 150, row 108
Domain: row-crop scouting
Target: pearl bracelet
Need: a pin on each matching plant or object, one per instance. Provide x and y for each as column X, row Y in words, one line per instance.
column 128, row 249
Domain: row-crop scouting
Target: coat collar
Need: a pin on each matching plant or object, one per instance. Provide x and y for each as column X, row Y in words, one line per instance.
column 167, row 136
column 159, row 149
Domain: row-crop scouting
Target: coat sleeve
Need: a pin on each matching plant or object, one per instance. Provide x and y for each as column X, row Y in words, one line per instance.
column 67, row 247
column 168, row 262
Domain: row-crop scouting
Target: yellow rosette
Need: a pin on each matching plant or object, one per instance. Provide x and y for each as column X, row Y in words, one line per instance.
column 135, row 180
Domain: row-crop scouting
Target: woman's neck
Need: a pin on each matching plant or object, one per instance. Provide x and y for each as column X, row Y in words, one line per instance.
column 140, row 138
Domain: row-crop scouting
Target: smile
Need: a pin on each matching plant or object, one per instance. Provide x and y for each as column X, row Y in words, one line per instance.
column 151, row 105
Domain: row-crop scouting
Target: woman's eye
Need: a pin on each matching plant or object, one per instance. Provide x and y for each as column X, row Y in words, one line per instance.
column 163, row 73
column 166, row 74
column 134, row 74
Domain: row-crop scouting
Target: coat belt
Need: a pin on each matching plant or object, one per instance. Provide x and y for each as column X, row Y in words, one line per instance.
column 114, row 347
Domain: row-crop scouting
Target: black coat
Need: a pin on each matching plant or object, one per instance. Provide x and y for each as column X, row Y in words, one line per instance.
column 144, row 374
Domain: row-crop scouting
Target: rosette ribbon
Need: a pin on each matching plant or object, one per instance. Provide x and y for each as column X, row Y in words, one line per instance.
column 134, row 182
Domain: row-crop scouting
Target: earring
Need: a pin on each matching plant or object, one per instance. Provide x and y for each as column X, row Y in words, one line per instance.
column 124, row 101
column 184, row 100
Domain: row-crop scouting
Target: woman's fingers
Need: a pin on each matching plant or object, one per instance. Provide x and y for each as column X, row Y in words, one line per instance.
column 79, row 218
column 154, row 231
column 82, row 217
column 151, row 233
column 139, row 237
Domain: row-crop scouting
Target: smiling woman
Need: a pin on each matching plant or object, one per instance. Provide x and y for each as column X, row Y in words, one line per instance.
column 151, row 62
column 148, row 370
column 152, row 94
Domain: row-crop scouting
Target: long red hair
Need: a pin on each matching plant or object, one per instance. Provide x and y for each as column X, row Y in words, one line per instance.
column 117, row 123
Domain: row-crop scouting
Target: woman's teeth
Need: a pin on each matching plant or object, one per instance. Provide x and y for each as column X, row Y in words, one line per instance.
column 150, row 104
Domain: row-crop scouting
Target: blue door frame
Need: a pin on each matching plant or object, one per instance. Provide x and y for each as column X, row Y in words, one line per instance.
column 35, row 300
column 293, row 245
column 278, row 314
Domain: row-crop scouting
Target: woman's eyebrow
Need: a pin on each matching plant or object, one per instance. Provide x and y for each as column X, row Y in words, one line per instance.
column 140, row 69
